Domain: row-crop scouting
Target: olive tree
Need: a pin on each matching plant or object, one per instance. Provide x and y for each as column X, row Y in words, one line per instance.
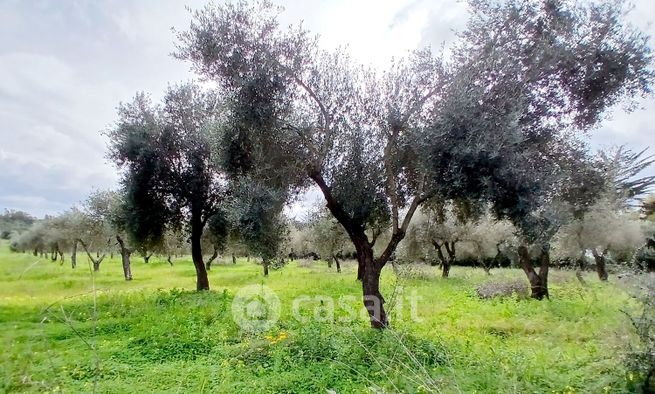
column 257, row 216
column 444, row 226
column 169, row 176
column 530, row 77
column 329, row 239
column 379, row 144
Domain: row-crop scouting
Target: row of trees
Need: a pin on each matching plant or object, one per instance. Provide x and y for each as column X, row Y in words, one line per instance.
column 494, row 125
column 488, row 131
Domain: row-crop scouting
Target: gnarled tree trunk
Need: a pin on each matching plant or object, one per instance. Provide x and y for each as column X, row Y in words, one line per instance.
column 451, row 258
column 370, row 277
column 202, row 281
column 234, row 259
column 265, row 263
column 125, row 258
column 74, row 255
column 336, row 261
column 538, row 281
column 211, row 259
column 601, row 268
column 97, row 260
column 446, row 262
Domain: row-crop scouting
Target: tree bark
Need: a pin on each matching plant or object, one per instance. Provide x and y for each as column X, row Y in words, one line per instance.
column 74, row 255
column 601, row 268
column 202, row 281
column 373, row 300
column 451, row 259
column 336, row 261
column 538, row 281
column 169, row 260
column 445, row 262
column 265, row 264
column 580, row 270
column 211, row 259
column 125, row 258
column 146, row 257
column 96, row 261
column 234, row 259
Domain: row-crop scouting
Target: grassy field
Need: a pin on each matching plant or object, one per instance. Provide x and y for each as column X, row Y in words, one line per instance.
column 155, row 334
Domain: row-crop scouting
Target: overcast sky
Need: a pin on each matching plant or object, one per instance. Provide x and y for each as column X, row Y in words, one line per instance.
column 65, row 66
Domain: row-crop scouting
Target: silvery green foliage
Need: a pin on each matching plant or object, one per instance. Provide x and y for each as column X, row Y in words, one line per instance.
column 496, row 123
column 297, row 110
column 164, row 154
column 256, row 214
column 604, row 227
column 621, row 167
column 530, row 75
column 14, row 222
column 329, row 237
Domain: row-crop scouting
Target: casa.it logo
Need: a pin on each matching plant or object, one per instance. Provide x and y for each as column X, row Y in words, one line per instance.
column 256, row 308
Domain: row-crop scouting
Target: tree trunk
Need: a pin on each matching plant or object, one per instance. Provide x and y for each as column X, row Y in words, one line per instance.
column 329, row 261
column 202, row 281
column 74, row 255
column 96, row 261
column 538, row 281
column 451, row 259
column 600, row 264
column 146, row 258
column 265, row 264
column 169, row 260
column 61, row 258
column 234, row 259
column 125, row 258
column 445, row 263
column 373, row 300
column 211, row 259
column 336, row 261
column 445, row 269
column 580, row 270
column 36, row 253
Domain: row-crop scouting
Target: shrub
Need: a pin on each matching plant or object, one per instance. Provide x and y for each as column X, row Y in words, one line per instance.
column 414, row 271
column 640, row 358
column 305, row 263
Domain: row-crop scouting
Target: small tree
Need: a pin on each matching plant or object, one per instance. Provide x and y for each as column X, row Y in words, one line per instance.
column 444, row 226
column 257, row 213
column 605, row 232
column 169, row 176
column 216, row 236
column 329, row 238
column 110, row 208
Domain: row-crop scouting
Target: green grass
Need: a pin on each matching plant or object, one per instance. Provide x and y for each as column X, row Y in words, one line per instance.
column 155, row 334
